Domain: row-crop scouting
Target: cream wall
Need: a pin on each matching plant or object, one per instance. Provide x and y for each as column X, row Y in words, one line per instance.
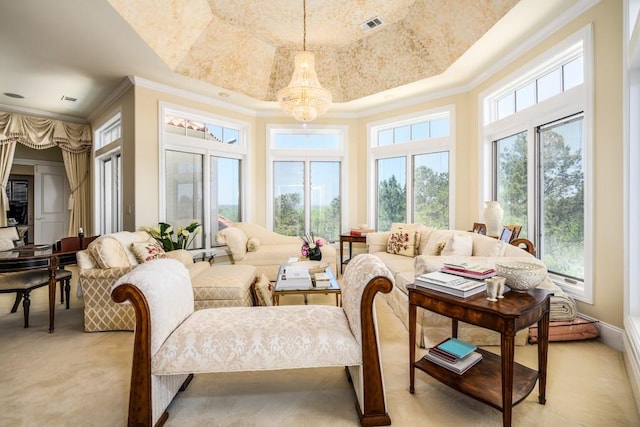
column 608, row 226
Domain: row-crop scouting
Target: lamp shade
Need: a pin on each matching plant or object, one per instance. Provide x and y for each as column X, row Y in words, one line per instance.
column 304, row 98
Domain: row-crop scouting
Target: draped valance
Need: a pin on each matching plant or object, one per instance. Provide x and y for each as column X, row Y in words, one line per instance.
column 41, row 133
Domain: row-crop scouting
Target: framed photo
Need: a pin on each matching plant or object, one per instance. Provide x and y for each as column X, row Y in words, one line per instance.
column 479, row 228
column 505, row 234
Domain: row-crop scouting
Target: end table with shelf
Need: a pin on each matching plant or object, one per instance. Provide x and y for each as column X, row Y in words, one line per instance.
column 497, row 380
column 351, row 239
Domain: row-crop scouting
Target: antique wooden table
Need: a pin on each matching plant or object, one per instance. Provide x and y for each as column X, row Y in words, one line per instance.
column 348, row 238
column 38, row 257
column 496, row 380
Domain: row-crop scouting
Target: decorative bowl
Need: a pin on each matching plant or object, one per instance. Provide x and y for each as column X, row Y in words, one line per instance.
column 521, row 276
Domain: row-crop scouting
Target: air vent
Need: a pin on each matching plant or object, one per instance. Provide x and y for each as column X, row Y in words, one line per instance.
column 371, row 24
column 68, row 98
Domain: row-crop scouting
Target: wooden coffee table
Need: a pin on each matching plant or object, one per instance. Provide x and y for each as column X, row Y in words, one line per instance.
column 496, row 380
column 333, row 289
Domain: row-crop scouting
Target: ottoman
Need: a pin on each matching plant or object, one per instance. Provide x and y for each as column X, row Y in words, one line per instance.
column 224, row 285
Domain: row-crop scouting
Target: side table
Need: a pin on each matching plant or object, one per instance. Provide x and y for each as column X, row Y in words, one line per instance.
column 348, row 238
column 496, row 380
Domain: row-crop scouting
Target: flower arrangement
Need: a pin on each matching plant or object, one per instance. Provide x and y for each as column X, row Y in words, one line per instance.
column 171, row 240
column 310, row 246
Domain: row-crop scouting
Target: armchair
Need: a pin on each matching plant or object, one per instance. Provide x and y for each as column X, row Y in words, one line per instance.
column 266, row 250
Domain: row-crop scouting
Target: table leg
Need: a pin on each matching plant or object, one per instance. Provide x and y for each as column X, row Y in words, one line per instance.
column 341, row 256
column 412, row 347
column 543, row 347
column 53, row 266
column 507, row 344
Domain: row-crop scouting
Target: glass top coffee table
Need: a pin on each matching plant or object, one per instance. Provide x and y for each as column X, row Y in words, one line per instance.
column 328, row 286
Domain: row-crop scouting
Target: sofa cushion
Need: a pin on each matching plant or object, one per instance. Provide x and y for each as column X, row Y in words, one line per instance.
column 235, row 239
column 263, row 291
column 109, row 253
column 488, row 246
column 436, row 238
column 253, row 244
column 148, row 250
column 459, row 244
column 403, row 240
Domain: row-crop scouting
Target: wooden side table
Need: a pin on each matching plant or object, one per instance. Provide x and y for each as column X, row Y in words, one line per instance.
column 347, row 237
column 496, row 380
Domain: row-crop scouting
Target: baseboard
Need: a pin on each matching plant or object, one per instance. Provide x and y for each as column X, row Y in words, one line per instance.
column 631, row 356
column 609, row 335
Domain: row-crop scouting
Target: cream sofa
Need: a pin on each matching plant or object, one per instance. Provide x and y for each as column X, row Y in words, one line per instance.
column 110, row 256
column 266, row 250
column 432, row 253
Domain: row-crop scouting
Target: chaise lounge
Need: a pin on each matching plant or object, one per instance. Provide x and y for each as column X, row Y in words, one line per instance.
column 236, row 339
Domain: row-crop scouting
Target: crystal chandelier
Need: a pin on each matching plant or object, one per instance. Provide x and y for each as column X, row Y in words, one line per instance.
column 304, row 98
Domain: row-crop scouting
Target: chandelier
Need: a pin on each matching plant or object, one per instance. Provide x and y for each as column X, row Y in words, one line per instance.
column 304, row 98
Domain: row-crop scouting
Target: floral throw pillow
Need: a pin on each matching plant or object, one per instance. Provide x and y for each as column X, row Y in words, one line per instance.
column 147, row 251
column 403, row 240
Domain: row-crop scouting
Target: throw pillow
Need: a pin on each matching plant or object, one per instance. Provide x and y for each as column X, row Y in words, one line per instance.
column 439, row 247
column 263, row 291
column 436, row 237
column 253, row 244
column 146, row 251
column 109, row 253
column 459, row 245
column 403, row 240
column 6, row 244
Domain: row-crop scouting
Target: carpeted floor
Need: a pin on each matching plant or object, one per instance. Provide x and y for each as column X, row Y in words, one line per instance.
column 73, row 378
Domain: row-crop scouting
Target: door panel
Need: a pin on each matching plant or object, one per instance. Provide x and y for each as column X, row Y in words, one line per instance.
column 51, row 193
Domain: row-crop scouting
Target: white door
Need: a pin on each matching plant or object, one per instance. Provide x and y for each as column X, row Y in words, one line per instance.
column 51, row 194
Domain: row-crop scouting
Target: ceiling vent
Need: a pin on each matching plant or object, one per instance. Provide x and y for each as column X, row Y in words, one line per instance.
column 371, row 24
column 68, row 98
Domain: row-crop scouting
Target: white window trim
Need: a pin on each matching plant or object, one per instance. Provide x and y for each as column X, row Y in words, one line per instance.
column 409, row 149
column 100, row 154
column 206, row 148
column 577, row 99
column 339, row 154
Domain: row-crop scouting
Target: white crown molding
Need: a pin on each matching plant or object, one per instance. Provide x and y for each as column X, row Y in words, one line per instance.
column 170, row 90
column 40, row 113
column 125, row 85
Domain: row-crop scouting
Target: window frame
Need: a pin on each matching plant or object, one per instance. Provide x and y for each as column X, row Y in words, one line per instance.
column 207, row 148
column 307, row 156
column 570, row 102
column 409, row 150
column 103, row 152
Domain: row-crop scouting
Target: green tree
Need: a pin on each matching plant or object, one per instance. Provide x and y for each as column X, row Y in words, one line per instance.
column 325, row 220
column 392, row 203
column 431, row 197
column 512, row 182
column 288, row 215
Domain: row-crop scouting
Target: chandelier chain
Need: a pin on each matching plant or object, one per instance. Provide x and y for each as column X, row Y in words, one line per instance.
column 304, row 24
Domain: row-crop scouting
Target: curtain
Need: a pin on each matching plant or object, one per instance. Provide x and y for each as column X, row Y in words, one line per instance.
column 6, row 159
column 77, row 167
column 74, row 139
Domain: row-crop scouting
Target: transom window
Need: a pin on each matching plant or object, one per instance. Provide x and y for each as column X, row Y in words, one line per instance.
column 421, row 130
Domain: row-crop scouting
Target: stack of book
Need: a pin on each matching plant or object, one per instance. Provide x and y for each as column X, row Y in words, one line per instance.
column 321, row 280
column 360, row 231
column 295, row 278
column 454, row 354
column 469, row 269
column 450, row 284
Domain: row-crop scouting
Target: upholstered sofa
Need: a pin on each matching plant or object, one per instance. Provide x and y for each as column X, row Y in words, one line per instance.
column 173, row 342
column 111, row 256
column 266, row 250
column 432, row 249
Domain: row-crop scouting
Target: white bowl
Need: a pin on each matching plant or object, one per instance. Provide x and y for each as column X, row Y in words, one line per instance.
column 521, row 276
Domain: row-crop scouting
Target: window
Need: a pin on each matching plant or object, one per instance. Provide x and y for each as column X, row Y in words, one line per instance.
column 203, row 175
column 108, row 185
column 411, row 174
column 306, row 183
column 540, row 158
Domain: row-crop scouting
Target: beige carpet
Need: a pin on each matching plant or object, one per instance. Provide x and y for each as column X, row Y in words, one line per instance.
column 73, row 378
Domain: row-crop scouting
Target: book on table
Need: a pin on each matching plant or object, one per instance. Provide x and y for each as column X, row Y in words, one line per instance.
column 321, row 280
column 450, row 284
column 456, row 348
column 469, row 273
column 294, row 278
column 460, row 366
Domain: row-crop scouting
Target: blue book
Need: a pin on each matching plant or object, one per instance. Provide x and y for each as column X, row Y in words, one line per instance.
column 456, row 347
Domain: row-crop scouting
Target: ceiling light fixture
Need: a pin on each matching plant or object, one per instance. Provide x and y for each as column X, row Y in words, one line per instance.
column 304, row 98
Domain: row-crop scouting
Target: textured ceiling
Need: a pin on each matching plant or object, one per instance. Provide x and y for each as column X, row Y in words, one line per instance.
column 248, row 46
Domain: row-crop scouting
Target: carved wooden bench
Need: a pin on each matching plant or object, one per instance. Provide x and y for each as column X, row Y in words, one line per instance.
column 238, row 339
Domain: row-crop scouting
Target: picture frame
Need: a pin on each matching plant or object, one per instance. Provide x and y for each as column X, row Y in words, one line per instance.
column 505, row 234
column 479, row 228
column 515, row 232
